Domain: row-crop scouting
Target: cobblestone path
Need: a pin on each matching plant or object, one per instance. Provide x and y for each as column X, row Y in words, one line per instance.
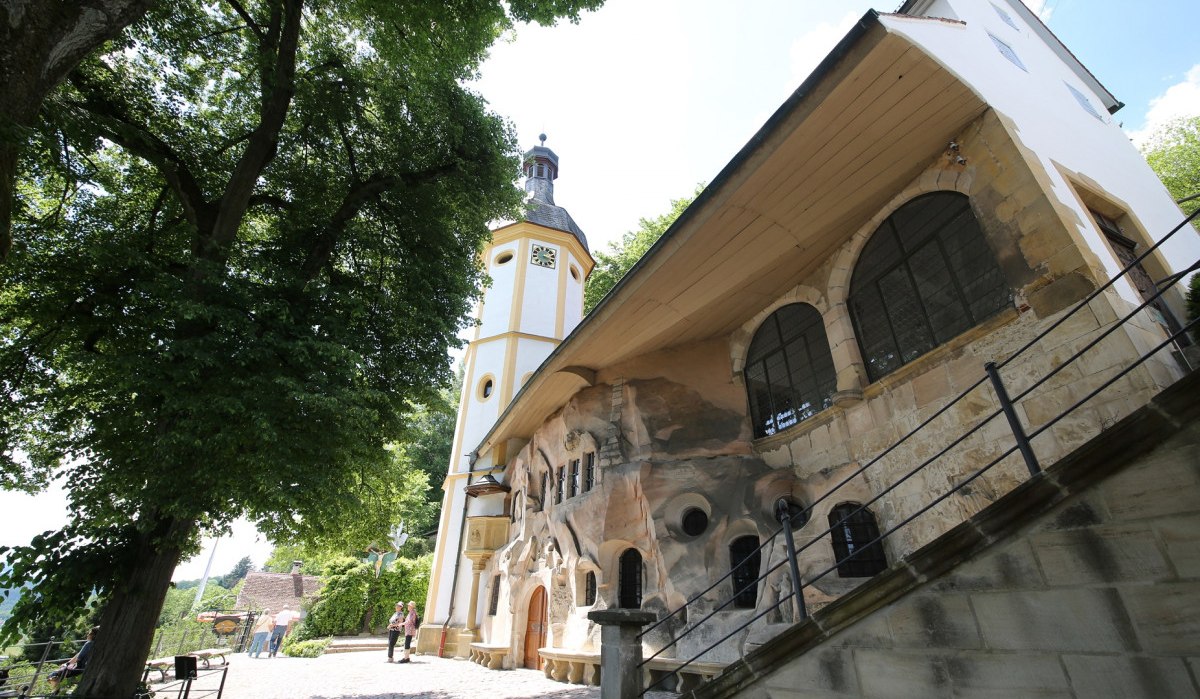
column 366, row 675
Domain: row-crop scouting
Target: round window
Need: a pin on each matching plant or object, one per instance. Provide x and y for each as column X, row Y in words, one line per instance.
column 486, row 390
column 504, row 257
column 574, row 272
column 694, row 522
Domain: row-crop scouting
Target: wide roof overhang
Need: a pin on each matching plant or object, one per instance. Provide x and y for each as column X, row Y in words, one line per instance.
column 868, row 120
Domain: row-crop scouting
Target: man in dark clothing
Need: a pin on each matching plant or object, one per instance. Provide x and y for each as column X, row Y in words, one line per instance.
column 75, row 665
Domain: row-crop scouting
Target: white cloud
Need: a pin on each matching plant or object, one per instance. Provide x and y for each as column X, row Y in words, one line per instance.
column 1179, row 100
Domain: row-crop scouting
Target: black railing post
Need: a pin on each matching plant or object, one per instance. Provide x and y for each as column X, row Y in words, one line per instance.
column 784, row 511
column 1013, row 422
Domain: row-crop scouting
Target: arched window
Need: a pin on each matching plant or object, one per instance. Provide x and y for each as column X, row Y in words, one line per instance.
column 853, row 531
column 745, row 559
column 926, row 275
column 629, row 580
column 589, row 589
column 789, row 369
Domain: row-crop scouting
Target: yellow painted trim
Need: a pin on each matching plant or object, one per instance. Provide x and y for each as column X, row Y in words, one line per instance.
column 518, row 299
column 501, row 455
column 435, row 573
column 527, row 336
column 561, row 308
column 510, row 370
column 464, row 402
column 525, row 229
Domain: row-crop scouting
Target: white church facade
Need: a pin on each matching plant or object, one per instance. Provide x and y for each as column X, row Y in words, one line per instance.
column 946, row 184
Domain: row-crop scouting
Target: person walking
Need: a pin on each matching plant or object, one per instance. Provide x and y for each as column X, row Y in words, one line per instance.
column 283, row 621
column 262, row 627
column 411, row 622
column 395, row 628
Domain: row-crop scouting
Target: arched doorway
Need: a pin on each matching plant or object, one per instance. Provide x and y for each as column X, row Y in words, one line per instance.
column 535, row 628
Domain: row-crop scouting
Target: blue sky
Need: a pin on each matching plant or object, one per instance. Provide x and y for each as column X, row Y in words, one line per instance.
column 644, row 99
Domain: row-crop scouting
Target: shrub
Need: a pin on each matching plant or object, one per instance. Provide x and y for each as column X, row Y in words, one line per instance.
column 305, row 649
column 351, row 590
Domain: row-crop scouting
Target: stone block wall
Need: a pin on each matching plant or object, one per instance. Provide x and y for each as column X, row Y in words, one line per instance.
column 1083, row 582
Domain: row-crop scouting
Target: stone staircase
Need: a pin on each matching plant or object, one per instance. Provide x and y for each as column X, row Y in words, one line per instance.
column 1083, row 581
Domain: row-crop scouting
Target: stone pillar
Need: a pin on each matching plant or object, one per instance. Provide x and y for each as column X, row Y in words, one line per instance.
column 620, row 651
column 477, row 565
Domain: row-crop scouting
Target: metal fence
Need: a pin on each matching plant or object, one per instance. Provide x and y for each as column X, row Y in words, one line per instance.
column 26, row 673
column 1022, row 441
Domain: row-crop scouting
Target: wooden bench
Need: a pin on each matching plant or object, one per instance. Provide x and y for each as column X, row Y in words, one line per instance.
column 489, row 655
column 206, row 656
column 164, row 665
column 573, row 666
column 159, row 665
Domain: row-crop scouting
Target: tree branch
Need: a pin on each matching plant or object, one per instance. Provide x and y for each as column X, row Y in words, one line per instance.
column 278, row 83
column 325, row 238
column 238, row 8
column 120, row 128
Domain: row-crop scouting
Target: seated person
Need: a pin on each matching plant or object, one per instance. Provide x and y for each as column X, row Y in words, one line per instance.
column 75, row 665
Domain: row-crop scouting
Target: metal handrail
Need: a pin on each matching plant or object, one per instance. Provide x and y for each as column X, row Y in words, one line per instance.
column 1007, row 407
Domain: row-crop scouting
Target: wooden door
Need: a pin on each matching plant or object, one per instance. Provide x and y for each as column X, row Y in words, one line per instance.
column 535, row 629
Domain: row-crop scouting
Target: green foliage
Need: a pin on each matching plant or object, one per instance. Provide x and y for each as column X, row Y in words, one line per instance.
column 178, row 604
column 352, row 591
column 305, row 649
column 247, row 238
column 1174, row 154
column 238, row 573
column 621, row 258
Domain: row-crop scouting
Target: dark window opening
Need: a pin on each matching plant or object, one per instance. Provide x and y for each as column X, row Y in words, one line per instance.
column 789, row 369
column 629, row 580
column 487, row 388
column 694, row 522
column 544, row 490
column 855, row 549
column 745, row 558
column 574, row 477
column 589, row 479
column 495, row 600
column 926, row 275
column 589, row 589
column 562, row 480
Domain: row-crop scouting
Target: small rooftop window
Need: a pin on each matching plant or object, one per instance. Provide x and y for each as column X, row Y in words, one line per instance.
column 1007, row 52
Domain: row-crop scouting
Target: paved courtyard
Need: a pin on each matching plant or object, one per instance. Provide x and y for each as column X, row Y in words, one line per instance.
column 365, row 675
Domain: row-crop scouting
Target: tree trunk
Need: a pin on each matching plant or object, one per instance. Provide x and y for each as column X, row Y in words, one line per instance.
column 40, row 43
column 127, row 625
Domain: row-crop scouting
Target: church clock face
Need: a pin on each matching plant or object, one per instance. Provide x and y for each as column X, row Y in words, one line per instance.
column 543, row 256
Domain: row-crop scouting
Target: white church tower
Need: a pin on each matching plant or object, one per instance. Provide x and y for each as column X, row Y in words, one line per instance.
column 538, row 266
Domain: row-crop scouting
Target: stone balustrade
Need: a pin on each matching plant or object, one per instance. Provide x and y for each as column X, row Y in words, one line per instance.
column 572, row 666
column 489, row 655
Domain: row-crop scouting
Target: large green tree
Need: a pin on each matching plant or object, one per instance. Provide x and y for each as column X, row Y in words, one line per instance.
column 1174, row 153
column 40, row 44
column 244, row 247
column 623, row 255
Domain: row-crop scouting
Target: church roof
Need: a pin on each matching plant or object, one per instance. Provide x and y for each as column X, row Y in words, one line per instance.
column 541, row 169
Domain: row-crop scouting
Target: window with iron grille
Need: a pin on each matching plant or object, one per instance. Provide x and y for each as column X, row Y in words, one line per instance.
column 855, row 550
column 789, row 369
column 745, row 559
column 1008, row 52
column 926, row 275
column 545, row 492
column 495, row 600
column 574, row 477
column 629, row 580
column 589, row 589
column 589, row 471
column 562, row 480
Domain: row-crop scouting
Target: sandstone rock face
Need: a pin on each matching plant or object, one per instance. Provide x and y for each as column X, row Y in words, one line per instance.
column 668, row 435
